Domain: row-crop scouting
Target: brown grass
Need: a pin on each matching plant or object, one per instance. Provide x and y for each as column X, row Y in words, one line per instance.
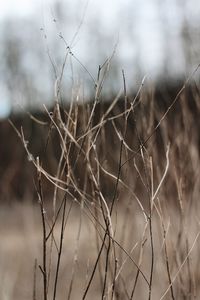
column 122, row 218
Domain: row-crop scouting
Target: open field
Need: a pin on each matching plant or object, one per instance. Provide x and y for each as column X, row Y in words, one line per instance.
column 115, row 209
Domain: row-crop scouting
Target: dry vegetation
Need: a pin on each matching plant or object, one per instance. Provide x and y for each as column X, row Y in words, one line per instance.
column 117, row 215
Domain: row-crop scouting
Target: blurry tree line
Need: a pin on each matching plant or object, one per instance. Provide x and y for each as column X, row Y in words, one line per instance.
column 33, row 53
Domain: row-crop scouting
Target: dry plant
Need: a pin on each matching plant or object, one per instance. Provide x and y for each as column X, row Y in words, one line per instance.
column 130, row 168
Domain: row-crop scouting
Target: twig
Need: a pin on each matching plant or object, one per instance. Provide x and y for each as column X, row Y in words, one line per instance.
column 60, row 248
column 34, row 279
column 181, row 266
column 42, row 209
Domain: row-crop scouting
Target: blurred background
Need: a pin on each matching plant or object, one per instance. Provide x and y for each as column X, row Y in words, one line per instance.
column 159, row 40
column 152, row 39
column 146, row 39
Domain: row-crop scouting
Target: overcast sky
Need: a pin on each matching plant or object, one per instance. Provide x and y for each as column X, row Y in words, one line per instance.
column 18, row 8
column 116, row 18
